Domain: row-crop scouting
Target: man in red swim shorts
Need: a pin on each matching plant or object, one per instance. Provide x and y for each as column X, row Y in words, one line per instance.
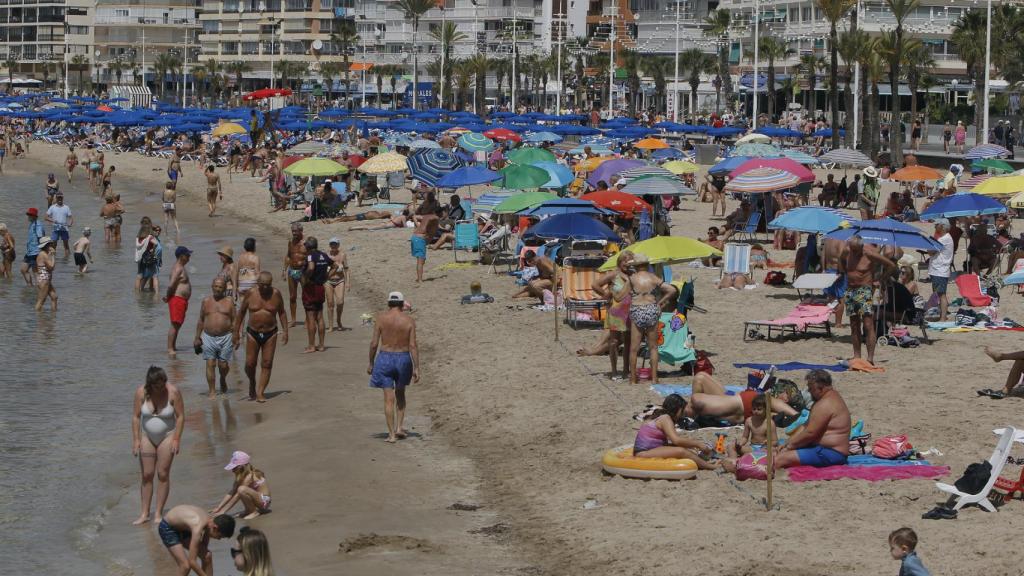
column 179, row 290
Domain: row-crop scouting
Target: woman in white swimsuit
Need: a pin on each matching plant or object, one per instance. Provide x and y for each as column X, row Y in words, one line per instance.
column 248, row 268
column 158, row 420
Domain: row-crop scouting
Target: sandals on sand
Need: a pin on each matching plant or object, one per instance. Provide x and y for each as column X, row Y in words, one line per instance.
column 994, row 394
column 940, row 513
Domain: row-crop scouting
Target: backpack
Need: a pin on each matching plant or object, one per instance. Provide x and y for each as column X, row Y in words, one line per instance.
column 974, row 478
column 891, row 447
column 775, row 278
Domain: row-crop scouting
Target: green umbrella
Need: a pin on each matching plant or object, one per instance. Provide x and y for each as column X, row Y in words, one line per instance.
column 528, row 155
column 522, row 201
column 992, row 165
column 315, row 167
column 516, row 177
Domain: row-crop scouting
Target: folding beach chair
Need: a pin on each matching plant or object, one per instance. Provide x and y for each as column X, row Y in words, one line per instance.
column 578, row 275
column 736, row 260
column 748, row 228
column 969, row 286
column 998, row 459
column 467, row 237
column 812, row 282
column 805, row 319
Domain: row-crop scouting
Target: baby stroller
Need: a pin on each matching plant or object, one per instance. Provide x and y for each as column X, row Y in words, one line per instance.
column 895, row 314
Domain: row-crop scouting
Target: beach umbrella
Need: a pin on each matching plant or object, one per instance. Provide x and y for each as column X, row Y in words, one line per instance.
column 777, row 132
column 473, row 142
column 810, row 219
column 786, row 164
column 651, row 144
column 315, row 167
column 1000, row 185
column 986, row 151
column 992, row 165
column 641, row 171
column 886, row 232
column 559, row 174
column 565, row 206
column 525, row 156
column 1015, row 278
column 423, row 144
column 267, row 93
column 916, row 173
column 846, row 157
column 667, row 250
column 963, row 204
column 468, row 176
column 503, row 135
column 522, row 177
column 228, row 128
column 591, row 164
column 519, row 202
column 543, row 137
column 973, row 181
column 757, row 150
column 1017, row 202
column 728, row 165
column 799, row 157
column 571, row 227
column 385, row 163
column 754, row 138
column 289, row 160
column 398, row 140
column 307, row 147
column 668, row 154
column 761, row 180
column 487, row 202
column 431, row 164
column 681, row 167
column 594, row 149
column 621, row 202
column 657, row 186
column 827, row 133
column 611, row 168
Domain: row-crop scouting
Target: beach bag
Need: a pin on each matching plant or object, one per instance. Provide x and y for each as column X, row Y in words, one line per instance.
column 859, row 444
column 148, row 257
column 965, row 317
column 974, row 478
column 775, row 278
column 891, row 447
column 753, row 466
column 703, row 364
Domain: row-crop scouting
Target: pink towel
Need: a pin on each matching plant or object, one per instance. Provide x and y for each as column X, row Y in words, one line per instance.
column 803, row 315
column 869, row 473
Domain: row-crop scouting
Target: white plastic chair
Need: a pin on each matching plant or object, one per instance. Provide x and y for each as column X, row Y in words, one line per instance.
column 997, row 460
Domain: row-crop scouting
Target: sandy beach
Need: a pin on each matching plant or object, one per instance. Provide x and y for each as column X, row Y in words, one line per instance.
column 509, row 420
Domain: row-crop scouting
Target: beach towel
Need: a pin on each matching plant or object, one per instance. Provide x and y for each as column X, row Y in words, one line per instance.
column 803, row 315
column 683, row 390
column 790, row 366
column 869, row 473
column 862, row 365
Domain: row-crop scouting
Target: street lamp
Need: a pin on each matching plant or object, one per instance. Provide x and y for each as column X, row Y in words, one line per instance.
column 96, row 64
column 757, row 33
column 988, row 67
column 675, row 85
column 560, row 18
column 274, row 22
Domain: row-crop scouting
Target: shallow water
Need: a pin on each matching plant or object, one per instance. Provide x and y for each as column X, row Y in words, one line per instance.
column 67, row 381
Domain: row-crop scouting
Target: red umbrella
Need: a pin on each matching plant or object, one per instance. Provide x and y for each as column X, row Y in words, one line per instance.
column 618, row 201
column 104, row 108
column 785, row 164
column 503, row 135
column 355, row 160
column 267, row 93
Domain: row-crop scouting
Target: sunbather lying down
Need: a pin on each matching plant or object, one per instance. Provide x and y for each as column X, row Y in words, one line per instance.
column 394, row 220
column 710, row 401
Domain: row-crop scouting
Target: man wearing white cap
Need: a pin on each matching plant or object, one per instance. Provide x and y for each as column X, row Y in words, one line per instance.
column 396, row 363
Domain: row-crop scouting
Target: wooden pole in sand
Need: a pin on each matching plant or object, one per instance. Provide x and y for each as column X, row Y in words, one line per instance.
column 771, row 446
column 554, row 294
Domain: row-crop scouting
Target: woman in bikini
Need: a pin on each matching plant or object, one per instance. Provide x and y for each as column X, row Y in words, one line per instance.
column 158, row 421
column 7, row 253
column 44, row 270
column 337, row 285
column 657, row 437
column 52, row 188
column 614, row 287
column 248, row 268
column 70, row 162
column 645, row 311
column 228, row 271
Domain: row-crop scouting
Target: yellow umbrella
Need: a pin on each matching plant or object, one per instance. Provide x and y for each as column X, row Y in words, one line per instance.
column 1000, row 185
column 651, row 144
column 667, row 250
column 591, row 164
column 1017, row 202
column 229, row 128
column 315, row 167
column 680, row 167
column 384, row 163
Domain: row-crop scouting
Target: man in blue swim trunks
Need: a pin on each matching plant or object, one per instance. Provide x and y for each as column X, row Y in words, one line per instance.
column 396, row 363
column 186, row 531
column 825, row 439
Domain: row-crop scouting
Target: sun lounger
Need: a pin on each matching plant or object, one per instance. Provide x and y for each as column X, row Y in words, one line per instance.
column 578, row 277
column 997, row 460
column 969, row 286
column 812, row 282
column 803, row 319
column 467, row 238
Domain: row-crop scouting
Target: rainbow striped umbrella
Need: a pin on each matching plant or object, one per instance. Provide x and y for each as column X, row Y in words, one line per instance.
column 761, row 180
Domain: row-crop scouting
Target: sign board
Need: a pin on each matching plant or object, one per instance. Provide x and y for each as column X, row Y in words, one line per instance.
column 425, row 93
column 670, row 104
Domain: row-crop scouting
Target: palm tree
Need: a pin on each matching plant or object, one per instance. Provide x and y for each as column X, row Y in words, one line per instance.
column 918, row 60
column 630, row 62
column 900, row 10
column 445, row 37
column 874, row 68
column 328, row 72
column 136, row 71
column 579, row 67
column 809, row 66
column 480, row 65
column 212, row 70
column 238, row 68
column 697, row 63
column 80, row 63
column 719, row 23
column 834, row 10
column 290, row 71
column 658, row 67
column 117, row 68
column 10, row 63
column 343, row 40
column 414, row 10
column 502, row 70
column 464, row 75
column 773, row 48
column 969, row 38
column 46, row 73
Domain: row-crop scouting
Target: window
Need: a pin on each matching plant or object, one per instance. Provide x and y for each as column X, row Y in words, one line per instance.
column 81, row 30
column 230, row 6
column 250, row 48
column 121, row 13
column 230, row 48
column 211, row 26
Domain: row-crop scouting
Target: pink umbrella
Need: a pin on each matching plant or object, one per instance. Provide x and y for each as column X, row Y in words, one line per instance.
column 785, row 164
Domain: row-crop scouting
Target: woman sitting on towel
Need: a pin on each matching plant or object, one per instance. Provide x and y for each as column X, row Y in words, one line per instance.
column 657, row 437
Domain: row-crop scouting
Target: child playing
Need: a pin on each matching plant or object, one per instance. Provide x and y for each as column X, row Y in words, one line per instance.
column 170, row 210
column 657, row 437
column 755, row 429
column 82, row 249
column 119, row 218
column 250, row 487
column 902, row 544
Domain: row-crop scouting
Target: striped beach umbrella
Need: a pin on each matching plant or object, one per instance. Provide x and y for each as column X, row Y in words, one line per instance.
column 657, row 186
column 473, row 142
column 757, row 151
column 762, row 180
column 799, row 157
column 487, row 202
column 430, row 165
column 641, row 171
column 986, row 151
column 424, row 144
column 846, row 157
column 779, row 163
column 968, row 183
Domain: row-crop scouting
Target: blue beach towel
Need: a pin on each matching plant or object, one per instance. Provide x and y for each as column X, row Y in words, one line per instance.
column 790, row 366
column 869, row 460
column 684, row 390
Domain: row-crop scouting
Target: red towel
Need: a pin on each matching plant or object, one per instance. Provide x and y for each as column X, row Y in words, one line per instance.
column 869, row 473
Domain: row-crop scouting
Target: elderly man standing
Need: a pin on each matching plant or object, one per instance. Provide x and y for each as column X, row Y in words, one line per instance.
column 394, row 361
column 939, row 265
column 825, row 439
column 214, row 336
column 860, row 264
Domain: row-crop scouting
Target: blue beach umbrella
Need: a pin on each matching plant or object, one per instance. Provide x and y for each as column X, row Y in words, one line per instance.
column 560, row 174
column 468, row 176
column 432, row 164
column 565, row 206
column 645, row 230
column 963, row 204
column 886, row 232
column 542, row 137
column 728, row 165
column 811, row 219
column 668, row 154
column 571, row 227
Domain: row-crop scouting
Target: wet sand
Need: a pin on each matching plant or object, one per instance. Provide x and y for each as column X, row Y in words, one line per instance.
column 512, row 421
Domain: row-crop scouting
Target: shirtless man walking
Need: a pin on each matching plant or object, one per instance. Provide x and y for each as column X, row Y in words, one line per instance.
column 265, row 308
column 825, row 439
column 179, row 290
column 421, row 236
column 294, row 265
column 186, row 531
column 214, row 189
column 396, row 363
column 859, row 263
column 214, row 334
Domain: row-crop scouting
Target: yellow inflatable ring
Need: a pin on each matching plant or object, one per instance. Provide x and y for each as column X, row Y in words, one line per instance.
column 622, row 462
